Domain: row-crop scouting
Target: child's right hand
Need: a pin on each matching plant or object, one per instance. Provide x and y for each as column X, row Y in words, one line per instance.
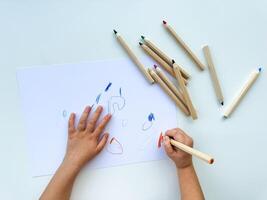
column 179, row 157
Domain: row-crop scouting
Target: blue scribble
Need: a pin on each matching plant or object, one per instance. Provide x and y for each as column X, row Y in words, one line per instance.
column 108, row 86
column 98, row 98
column 151, row 117
column 120, row 91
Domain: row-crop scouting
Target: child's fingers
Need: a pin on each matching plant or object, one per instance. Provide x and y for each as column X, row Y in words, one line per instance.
column 167, row 145
column 71, row 125
column 92, row 122
column 99, row 129
column 83, row 119
column 102, row 143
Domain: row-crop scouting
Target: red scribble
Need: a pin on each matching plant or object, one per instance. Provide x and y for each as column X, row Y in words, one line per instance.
column 160, row 140
column 119, row 149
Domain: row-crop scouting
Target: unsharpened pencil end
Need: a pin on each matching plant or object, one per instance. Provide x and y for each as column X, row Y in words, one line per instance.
column 164, row 22
column 143, row 37
column 222, row 103
column 115, row 31
column 260, row 69
column 211, row 161
column 140, row 43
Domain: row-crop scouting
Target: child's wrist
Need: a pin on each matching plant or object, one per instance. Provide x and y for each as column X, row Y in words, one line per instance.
column 184, row 165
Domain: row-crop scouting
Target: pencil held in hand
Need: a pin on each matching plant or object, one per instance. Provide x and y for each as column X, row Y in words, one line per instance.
column 252, row 78
column 133, row 57
column 203, row 156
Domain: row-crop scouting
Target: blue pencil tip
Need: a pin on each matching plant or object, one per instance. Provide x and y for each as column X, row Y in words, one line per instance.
column 260, row 69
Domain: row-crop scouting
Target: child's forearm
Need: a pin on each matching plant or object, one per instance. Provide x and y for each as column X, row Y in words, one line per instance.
column 61, row 184
column 189, row 184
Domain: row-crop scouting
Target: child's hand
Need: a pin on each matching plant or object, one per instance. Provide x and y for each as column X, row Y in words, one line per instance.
column 179, row 157
column 83, row 141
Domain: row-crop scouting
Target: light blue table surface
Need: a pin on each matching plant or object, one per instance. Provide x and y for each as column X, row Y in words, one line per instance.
column 51, row 32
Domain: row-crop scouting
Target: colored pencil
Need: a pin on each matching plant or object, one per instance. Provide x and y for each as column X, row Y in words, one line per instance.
column 213, row 74
column 184, row 90
column 133, row 57
column 203, row 156
column 164, row 56
column 251, row 80
column 168, row 91
column 159, row 60
column 168, row 82
column 184, row 46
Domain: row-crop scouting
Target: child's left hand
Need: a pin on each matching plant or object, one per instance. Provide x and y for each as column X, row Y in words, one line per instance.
column 83, row 142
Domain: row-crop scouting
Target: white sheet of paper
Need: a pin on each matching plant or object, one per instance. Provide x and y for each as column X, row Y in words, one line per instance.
column 49, row 94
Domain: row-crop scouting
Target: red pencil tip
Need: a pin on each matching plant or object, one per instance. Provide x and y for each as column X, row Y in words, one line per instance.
column 155, row 66
column 164, row 22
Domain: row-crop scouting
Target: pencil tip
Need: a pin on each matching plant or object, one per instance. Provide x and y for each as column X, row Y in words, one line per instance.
column 115, row 31
column 173, row 61
column 225, row 117
column 140, row 43
column 164, row 22
column 222, row 103
column 155, row 66
column 260, row 69
column 143, row 37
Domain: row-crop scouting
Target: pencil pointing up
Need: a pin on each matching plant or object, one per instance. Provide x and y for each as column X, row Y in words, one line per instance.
column 133, row 57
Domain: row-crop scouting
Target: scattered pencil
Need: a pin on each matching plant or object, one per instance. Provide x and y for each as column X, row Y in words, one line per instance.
column 184, row 90
column 203, row 156
column 170, row 84
column 163, row 56
column 213, row 74
column 184, row 45
column 169, row 92
column 133, row 57
column 159, row 60
column 252, row 78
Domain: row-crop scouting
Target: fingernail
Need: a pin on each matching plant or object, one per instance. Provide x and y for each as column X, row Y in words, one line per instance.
column 99, row 107
column 87, row 108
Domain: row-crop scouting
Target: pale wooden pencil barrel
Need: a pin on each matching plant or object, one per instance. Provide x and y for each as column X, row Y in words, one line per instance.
column 213, row 73
column 230, row 109
column 169, row 92
column 159, row 60
column 170, row 85
column 184, row 91
column 166, row 58
column 192, row 151
column 135, row 59
column 185, row 47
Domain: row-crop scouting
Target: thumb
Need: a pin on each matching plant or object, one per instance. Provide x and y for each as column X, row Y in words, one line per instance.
column 102, row 142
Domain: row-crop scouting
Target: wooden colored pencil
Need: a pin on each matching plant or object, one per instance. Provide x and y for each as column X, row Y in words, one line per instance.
column 133, row 57
column 164, row 56
column 168, row 82
column 192, row 151
column 159, row 60
column 168, row 91
column 184, row 46
column 213, row 74
column 251, row 80
column 184, row 91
